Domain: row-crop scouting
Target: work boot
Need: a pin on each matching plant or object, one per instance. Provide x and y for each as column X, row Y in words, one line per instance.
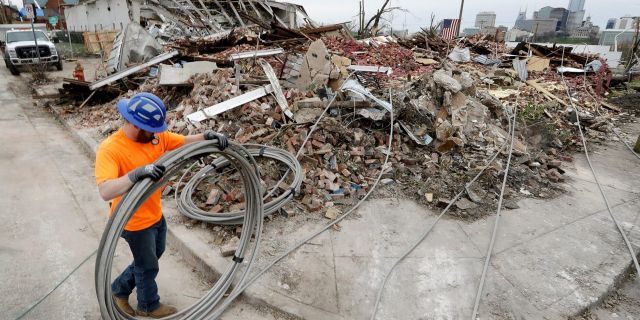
column 123, row 305
column 162, row 311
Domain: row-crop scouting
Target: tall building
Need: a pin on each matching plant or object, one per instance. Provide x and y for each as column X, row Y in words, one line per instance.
column 612, row 37
column 522, row 16
column 576, row 5
column 559, row 14
column 623, row 23
column 485, row 19
column 586, row 30
column 575, row 19
column 517, row 35
column 576, row 15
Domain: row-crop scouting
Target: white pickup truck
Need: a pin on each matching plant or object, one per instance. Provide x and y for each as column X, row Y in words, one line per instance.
column 20, row 50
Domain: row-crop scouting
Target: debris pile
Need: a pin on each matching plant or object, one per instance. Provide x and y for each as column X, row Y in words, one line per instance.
column 452, row 101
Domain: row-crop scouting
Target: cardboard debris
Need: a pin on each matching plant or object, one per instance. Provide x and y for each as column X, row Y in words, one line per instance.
column 538, row 64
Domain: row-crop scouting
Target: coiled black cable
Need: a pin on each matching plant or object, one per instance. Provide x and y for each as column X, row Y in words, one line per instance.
column 234, row 277
column 184, row 197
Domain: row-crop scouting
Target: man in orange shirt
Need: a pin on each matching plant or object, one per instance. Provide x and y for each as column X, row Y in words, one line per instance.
column 123, row 159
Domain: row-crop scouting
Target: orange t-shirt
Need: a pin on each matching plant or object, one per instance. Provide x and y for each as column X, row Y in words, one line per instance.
column 118, row 155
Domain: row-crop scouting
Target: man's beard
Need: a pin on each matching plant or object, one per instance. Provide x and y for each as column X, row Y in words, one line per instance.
column 144, row 136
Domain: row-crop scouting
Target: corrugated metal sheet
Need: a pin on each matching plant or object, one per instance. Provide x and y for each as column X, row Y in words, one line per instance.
column 486, row 60
column 521, row 68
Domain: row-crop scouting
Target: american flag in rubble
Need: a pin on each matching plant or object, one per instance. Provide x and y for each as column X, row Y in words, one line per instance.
column 450, row 28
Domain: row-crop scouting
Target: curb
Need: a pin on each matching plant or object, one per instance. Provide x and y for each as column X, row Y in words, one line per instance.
column 200, row 255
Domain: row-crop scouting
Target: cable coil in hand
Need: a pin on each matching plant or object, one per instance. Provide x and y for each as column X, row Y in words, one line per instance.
column 184, row 198
column 141, row 191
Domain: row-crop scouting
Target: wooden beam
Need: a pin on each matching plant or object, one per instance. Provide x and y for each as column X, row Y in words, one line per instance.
column 242, row 6
column 546, row 92
column 610, row 106
column 211, row 21
column 336, row 104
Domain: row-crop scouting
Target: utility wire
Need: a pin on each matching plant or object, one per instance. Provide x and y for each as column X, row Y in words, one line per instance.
column 496, row 223
column 57, row 286
column 595, row 177
column 626, row 144
column 231, row 280
column 584, row 85
column 187, row 206
column 232, row 296
column 428, row 230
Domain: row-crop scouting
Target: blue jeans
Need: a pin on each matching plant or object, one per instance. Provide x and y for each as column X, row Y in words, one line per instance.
column 147, row 246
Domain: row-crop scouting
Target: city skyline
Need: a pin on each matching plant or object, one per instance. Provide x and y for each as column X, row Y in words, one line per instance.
column 418, row 14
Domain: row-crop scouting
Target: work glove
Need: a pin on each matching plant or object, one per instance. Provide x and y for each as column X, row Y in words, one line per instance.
column 155, row 172
column 223, row 142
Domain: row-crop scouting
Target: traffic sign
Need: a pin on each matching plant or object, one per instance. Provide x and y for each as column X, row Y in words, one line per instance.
column 28, row 9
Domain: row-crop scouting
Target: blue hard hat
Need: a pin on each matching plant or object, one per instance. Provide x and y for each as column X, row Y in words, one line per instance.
column 145, row 111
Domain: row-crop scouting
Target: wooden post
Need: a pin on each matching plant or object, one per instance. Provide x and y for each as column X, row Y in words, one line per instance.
column 359, row 18
column 460, row 18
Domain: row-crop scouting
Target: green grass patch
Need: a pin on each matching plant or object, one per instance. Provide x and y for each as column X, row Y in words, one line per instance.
column 531, row 113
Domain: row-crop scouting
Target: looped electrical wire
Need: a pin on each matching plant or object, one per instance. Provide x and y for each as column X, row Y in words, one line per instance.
column 187, row 207
column 232, row 280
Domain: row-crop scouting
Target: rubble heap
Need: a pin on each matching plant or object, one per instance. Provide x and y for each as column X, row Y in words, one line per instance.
column 452, row 107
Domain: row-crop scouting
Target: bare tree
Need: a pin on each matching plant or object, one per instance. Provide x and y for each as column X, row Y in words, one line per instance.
column 372, row 27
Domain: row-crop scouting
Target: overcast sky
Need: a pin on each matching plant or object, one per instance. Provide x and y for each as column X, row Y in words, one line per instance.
column 419, row 11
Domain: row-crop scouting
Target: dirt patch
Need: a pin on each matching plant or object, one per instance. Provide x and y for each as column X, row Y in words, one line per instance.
column 629, row 103
column 623, row 303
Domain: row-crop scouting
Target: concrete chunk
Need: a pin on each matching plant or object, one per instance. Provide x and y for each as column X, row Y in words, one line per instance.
column 172, row 76
column 446, row 81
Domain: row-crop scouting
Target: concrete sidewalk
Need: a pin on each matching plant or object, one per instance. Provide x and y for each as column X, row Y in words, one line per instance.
column 553, row 258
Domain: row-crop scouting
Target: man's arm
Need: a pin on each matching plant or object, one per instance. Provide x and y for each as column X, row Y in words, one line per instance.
column 193, row 138
column 112, row 188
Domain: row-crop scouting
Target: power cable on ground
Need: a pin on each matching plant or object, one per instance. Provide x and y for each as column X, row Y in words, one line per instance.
column 255, row 277
column 496, row 223
column 57, row 286
column 595, row 177
column 428, row 230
